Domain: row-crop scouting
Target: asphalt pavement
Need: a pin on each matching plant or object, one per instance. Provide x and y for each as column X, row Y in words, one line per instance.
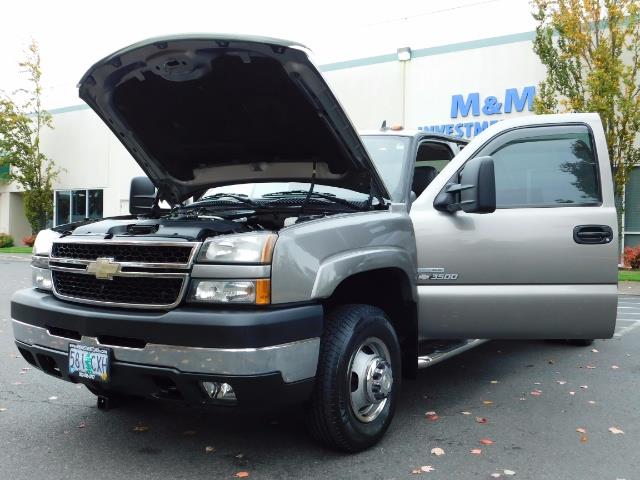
column 533, row 395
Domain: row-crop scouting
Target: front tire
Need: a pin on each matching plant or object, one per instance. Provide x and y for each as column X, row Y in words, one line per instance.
column 357, row 380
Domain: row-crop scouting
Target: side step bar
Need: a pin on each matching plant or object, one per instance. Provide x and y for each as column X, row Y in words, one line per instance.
column 425, row 361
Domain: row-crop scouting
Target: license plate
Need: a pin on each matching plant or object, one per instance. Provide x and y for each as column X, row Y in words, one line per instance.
column 89, row 362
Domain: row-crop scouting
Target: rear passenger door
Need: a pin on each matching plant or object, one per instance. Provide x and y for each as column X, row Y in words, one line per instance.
column 544, row 264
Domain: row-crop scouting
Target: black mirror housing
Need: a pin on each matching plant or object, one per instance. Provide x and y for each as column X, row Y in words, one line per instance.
column 480, row 197
column 142, row 196
column 475, row 192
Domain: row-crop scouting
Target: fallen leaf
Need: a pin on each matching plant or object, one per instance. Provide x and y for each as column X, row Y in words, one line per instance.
column 423, row 469
column 82, row 425
column 594, row 350
column 241, row 475
column 481, row 420
column 486, row 441
column 465, row 413
column 581, row 430
column 487, row 402
column 509, row 472
column 561, row 382
column 189, row 433
column 209, row 449
column 475, row 451
column 431, row 416
column 615, row 367
column 437, row 451
column 53, row 398
column 140, row 428
column 584, row 438
column 616, row 431
column 572, row 393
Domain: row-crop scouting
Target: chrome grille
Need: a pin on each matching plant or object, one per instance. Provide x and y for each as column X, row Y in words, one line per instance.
column 140, row 274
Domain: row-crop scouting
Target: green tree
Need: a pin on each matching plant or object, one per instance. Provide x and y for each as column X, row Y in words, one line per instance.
column 591, row 49
column 22, row 120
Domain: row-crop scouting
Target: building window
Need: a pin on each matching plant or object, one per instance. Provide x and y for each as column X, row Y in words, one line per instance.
column 76, row 205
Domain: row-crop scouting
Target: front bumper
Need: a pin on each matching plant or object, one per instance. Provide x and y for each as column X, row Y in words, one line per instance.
column 169, row 354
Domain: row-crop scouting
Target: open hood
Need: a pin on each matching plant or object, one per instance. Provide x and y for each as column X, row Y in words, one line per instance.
column 200, row 111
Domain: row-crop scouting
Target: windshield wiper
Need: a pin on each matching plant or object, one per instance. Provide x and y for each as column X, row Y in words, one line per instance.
column 235, row 196
column 306, row 194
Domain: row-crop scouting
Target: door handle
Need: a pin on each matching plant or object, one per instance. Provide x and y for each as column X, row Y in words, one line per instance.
column 592, row 234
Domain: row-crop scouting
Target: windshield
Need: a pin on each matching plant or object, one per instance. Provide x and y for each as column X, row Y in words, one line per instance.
column 387, row 153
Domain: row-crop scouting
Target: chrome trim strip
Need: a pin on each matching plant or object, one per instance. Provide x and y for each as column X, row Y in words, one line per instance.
column 295, row 361
column 120, row 273
column 230, row 271
column 78, row 261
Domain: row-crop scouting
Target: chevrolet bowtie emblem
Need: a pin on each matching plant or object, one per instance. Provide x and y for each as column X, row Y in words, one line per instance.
column 103, row 268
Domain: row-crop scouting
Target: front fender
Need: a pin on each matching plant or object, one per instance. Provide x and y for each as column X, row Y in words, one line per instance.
column 311, row 258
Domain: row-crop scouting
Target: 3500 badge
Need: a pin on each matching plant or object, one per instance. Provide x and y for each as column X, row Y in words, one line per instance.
column 435, row 273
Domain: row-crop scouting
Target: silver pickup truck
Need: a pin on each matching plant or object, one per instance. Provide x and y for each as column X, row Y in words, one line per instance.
column 300, row 262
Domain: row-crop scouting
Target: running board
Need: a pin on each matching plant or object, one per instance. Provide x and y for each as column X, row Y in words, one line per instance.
column 425, row 361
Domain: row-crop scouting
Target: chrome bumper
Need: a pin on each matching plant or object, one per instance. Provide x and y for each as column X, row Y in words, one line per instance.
column 295, row 361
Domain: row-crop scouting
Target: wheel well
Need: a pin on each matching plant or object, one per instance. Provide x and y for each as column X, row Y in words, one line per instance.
column 390, row 290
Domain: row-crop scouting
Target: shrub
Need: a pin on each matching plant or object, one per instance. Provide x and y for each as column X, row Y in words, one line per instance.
column 632, row 257
column 5, row 240
column 29, row 240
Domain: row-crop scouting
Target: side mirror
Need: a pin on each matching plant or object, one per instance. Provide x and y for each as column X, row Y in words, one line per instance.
column 142, row 196
column 476, row 192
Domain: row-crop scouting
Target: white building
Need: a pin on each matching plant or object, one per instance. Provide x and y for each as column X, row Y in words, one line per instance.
column 456, row 88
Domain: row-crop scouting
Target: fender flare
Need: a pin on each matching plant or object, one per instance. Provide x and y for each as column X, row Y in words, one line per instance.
column 335, row 269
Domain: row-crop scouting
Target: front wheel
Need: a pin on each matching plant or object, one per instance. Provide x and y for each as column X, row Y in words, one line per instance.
column 357, row 379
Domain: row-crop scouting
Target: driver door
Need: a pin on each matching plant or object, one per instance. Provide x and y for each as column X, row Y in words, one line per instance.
column 544, row 264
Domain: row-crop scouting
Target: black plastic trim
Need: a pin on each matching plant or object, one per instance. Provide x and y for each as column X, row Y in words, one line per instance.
column 184, row 326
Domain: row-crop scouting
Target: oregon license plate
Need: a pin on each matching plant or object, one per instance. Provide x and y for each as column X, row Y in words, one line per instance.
column 91, row 363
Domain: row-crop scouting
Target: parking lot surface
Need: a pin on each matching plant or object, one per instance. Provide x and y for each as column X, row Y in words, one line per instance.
column 549, row 410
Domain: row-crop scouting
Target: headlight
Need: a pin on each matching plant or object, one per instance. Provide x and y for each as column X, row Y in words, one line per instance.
column 239, row 248
column 44, row 241
column 256, row 292
column 42, row 249
column 41, row 278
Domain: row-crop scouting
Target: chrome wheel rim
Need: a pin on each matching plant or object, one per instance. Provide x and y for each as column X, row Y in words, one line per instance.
column 369, row 379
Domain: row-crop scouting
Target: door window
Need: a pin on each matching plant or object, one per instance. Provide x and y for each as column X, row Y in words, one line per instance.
column 545, row 167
